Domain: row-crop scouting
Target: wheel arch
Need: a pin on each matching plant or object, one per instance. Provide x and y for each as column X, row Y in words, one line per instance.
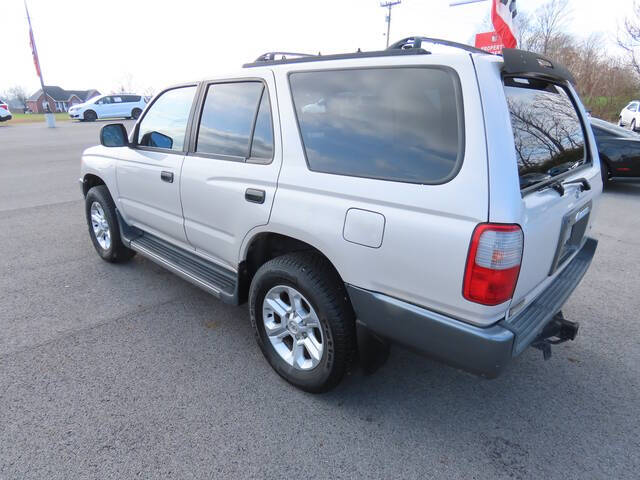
column 265, row 245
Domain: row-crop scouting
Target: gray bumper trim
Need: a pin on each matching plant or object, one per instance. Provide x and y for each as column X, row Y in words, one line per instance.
column 483, row 351
column 528, row 324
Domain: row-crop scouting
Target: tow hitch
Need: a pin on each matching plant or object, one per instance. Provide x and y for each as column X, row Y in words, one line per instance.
column 557, row 331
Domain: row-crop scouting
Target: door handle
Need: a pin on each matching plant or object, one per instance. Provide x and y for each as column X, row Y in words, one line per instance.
column 166, row 176
column 254, row 195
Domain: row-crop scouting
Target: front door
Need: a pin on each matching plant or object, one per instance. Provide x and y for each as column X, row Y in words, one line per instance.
column 229, row 180
column 148, row 174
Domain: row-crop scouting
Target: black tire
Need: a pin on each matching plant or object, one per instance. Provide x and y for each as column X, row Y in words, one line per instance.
column 633, row 125
column 620, row 121
column 135, row 113
column 116, row 251
column 606, row 173
column 313, row 276
column 90, row 116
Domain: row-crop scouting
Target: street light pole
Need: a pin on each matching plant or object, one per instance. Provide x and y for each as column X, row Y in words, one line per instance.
column 389, row 5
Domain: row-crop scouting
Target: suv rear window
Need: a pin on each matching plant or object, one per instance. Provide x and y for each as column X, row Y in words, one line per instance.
column 548, row 135
column 402, row 124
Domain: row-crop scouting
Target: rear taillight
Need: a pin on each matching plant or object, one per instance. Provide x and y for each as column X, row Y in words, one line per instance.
column 493, row 263
column 4, row 106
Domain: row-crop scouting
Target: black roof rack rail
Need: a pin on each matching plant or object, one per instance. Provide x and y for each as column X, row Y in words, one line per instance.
column 416, row 42
column 269, row 56
column 340, row 56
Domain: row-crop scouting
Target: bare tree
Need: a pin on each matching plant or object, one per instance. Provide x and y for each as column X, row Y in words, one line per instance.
column 18, row 94
column 548, row 26
column 629, row 36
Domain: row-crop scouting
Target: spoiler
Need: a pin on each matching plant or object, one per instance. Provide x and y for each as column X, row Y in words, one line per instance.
column 524, row 62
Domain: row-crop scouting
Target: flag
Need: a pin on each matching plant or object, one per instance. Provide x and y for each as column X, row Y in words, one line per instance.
column 503, row 15
column 32, row 42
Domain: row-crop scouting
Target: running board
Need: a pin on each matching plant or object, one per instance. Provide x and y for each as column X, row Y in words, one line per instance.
column 207, row 275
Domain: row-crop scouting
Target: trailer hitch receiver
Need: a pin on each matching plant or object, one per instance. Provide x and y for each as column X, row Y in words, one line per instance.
column 558, row 330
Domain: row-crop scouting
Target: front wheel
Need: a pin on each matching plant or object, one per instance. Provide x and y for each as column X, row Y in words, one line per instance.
column 633, row 125
column 620, row 121
column 303, row 320
column 103, row 226
column 90, row 116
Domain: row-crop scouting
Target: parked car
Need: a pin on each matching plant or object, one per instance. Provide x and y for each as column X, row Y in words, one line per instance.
column 109, row 106
column 630, row 116
column 5, row 113
column 372, row 200
column 619, row 151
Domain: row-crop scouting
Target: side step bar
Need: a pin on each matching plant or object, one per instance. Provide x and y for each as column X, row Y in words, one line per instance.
column 215, row 279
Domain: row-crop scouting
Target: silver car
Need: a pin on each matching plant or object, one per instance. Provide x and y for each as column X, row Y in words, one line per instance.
column 441, row 201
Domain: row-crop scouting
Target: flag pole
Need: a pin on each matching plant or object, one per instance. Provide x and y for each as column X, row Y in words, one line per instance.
column 51, row 119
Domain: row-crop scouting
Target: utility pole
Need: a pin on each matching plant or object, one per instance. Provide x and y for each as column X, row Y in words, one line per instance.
column 389, row 5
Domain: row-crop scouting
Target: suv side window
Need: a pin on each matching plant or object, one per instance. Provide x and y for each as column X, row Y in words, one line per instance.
column 130, row 98
column 633, row 107
column 165, row 123
column 230, row 116
column 104, row 101
column 401, row 124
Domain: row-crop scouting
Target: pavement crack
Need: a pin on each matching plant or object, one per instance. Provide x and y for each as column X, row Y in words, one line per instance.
column 70, row 333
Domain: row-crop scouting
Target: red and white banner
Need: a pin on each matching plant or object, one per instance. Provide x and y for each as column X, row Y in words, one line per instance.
column 489, row 42
column 34, row 52
column 503, row 14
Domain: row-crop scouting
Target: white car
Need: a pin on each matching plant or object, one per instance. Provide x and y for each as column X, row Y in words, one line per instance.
column 5, row 113
column 630, row 116
column 123, row 105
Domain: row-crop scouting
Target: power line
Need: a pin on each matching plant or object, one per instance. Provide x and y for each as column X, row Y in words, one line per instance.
column 389, row 5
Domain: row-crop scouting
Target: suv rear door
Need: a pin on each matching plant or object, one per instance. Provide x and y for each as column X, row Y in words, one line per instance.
column 537, row 170
column 230, row 174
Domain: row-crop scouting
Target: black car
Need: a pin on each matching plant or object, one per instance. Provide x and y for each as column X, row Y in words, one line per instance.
column 619, row 151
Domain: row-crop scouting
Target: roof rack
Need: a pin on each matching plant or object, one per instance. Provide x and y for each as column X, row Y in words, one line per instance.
column 269, row 58
column 416, row 42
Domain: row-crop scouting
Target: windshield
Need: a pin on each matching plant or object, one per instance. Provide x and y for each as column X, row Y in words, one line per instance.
column 547, row 132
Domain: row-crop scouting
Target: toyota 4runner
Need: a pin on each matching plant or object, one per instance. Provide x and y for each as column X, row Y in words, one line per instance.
column 430, row 195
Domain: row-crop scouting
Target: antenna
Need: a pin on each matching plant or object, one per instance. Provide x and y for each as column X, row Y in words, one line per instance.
column 389, row 6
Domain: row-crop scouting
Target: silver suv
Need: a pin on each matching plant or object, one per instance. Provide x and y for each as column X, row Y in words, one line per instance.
column 430, row 195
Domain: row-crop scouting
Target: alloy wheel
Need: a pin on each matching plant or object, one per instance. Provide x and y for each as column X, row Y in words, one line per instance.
column 100, row 226
column 293, row 327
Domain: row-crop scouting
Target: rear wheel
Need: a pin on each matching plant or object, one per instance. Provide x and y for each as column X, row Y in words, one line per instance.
column 135, row 113
column 90, row 116
column 103, row 226
column 303, row 320
column 606, row 173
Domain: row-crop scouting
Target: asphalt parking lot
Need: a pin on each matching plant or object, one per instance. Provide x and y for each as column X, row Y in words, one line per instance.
column 127, row 371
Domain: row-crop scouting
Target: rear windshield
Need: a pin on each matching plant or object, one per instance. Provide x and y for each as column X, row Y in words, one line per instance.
column 548, row 135
column 398, row 124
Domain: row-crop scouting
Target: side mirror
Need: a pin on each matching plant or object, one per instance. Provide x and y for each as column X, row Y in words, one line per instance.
column 114, row 135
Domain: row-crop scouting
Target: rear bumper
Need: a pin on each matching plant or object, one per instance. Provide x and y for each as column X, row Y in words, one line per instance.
column 483, row 351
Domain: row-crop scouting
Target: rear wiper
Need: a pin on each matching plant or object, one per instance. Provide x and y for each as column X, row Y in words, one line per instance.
column 558, row 186
column 581, row 181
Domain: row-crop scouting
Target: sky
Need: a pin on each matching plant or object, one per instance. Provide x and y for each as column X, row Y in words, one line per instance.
column 149, row 44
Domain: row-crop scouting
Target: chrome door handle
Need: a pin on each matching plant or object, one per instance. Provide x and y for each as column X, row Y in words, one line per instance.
column 166, row 176
column 254, row 195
